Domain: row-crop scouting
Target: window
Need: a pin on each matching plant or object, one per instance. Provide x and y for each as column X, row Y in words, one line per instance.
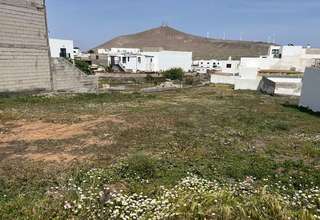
column 229, row 65
column 128, row 59
column 124, row 60
column 139, row 59
column 151, row 60
column 97, row 57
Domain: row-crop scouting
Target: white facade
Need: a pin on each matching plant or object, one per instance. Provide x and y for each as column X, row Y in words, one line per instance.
column 221, row 66
column 222, row 79
column 165, row 60
column 61, row 48
column 230, row 66
column 125, row 50
column 135, row 60
column 76, row 52
column 207, row 64
column 279, row 58
column 310, row 96
column 294, row 58
column 103, row 51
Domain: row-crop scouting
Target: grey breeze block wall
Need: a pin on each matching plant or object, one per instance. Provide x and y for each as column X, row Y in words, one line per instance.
column 24, row 51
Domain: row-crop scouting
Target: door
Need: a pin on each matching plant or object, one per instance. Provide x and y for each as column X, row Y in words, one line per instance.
column 63, row 52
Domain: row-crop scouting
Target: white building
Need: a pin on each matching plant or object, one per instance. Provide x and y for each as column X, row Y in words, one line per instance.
column 226, row 72
column 290, row 58
column 220, row 66
column 229, row 66
column 208, row 64
column 279, row 59
column 61, row 48
column 136, row 60
column 164, row 60
column 76, row 52
column 310, row 96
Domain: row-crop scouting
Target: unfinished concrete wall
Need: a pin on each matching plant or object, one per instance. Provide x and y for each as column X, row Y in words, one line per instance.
column 24, row 52
column 68, row 78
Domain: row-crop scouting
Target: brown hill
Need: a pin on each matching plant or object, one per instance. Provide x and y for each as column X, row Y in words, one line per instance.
column 202, row 48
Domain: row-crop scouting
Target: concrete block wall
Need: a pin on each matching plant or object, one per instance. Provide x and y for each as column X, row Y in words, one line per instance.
column 24, row 51
column 68, row 78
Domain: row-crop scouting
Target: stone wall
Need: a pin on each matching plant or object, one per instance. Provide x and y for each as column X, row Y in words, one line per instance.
column 24, row 52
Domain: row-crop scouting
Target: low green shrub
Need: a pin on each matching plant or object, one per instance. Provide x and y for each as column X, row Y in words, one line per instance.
column 138, row 166
column 174, row 74
column 83, row 66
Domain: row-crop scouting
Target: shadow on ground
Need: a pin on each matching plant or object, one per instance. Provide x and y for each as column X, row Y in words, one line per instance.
column 302, row 109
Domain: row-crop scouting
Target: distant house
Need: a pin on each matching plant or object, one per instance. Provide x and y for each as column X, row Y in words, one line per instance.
column 219, row 66
column 137, row 60
column 61, row 48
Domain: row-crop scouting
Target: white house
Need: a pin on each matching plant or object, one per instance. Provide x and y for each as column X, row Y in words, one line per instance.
column 61, row 48
column 310, row 95
column 279, row 59
column 76, row 52
column 136, row 60
column 291, row 58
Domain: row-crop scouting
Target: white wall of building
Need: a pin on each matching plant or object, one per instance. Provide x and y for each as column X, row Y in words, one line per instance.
column 165, row 60
column 292, row 58
column 208, row 64
column 57, row 44
column 222, row 79
column 77, row 52
column 247, row 84
column 229, row 66
column 310, row 96
column 103, row 51
column 137, row 62
column 125, row 50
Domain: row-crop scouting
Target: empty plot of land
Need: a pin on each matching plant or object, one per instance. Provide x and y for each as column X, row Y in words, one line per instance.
column 213, row 132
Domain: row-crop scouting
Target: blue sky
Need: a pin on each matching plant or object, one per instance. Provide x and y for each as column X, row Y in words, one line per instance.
column 91, row 22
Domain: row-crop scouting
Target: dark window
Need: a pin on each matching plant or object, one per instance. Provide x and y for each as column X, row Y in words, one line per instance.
column 128, row 59
column 124, row 60
column 229, row 65
column 151, row 60
column 97, row 57
column 139, row 59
